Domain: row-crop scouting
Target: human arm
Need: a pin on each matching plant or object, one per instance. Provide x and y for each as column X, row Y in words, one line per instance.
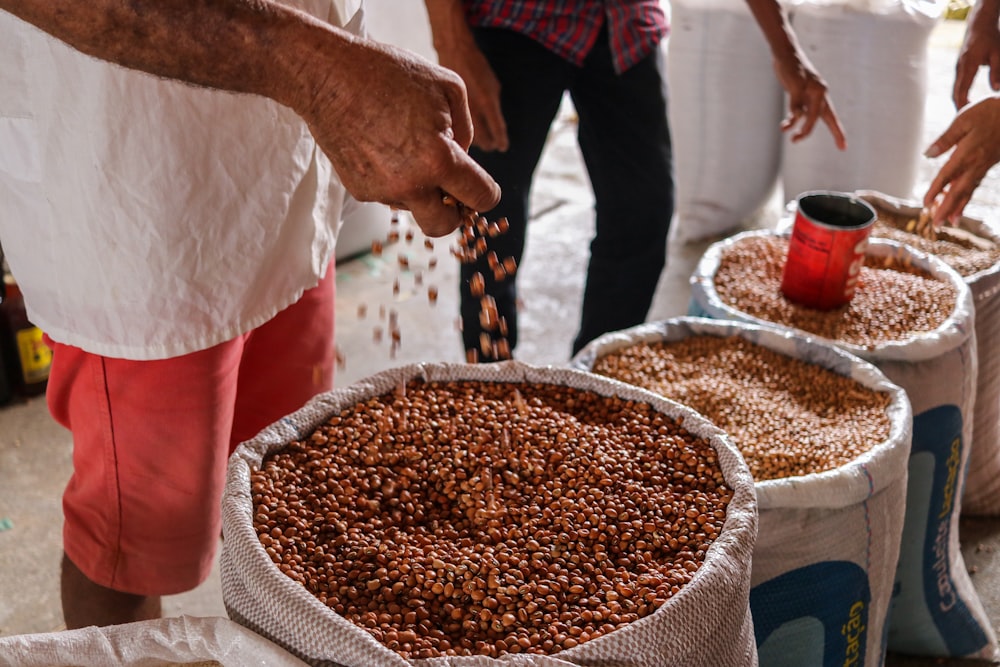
column 395, row 126
column 975, row 135
column 457, row 50
column 808, row 98
column 980, row 47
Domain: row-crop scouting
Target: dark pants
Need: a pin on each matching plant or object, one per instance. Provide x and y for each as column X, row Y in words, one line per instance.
column 625, row 142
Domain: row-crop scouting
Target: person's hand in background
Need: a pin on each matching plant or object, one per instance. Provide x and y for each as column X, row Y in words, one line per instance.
column 808, row 98
column 457, row 50
column 980, row 48
column 975, row 136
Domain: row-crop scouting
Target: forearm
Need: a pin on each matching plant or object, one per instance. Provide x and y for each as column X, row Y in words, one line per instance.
column 770, row 16
column 248, row 46
column 985, row 13
column 449, row 29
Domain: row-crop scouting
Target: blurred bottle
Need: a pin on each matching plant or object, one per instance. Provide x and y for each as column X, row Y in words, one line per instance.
column 6, row 392
column 26, row 357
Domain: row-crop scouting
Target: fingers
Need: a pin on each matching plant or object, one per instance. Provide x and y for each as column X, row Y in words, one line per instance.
column 461, row 118
column 951, row 205
column 810, row 107
column 434, row 217
column 491, row 132
column 836, row 129
column 466, row 182
column 470, row 184
column 491, row 127
column 945, row 142
column 811, row 115
column 964, row 76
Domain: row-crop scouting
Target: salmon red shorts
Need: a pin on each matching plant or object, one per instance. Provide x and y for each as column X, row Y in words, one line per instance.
column 151, row 441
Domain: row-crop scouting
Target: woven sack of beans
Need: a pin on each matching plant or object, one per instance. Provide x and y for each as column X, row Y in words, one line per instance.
column 457, row 514
column 830, row 506
column 912, row 317
column 973, row 249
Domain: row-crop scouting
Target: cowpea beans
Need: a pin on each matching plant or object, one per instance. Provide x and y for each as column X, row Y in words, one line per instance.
column 893, row 301
column 473, row 236
column 786, row 416
column 473, row 518
column 960, row 253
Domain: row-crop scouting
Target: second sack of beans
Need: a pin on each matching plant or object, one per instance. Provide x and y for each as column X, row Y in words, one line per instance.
column 827, row 438
column 913, row 318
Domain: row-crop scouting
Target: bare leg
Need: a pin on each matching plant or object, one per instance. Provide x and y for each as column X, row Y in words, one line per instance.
column 85, row 603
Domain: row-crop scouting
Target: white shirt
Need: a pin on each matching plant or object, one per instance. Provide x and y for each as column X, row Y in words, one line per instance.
column 145, row 218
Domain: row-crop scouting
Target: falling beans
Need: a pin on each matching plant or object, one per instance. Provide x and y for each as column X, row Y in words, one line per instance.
column 475, row 234
column 484, row 518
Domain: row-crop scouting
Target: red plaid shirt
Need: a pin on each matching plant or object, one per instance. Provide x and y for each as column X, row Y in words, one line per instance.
column 570, row 27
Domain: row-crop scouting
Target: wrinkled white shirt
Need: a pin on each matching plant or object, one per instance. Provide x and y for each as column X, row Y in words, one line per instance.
column 146, row 218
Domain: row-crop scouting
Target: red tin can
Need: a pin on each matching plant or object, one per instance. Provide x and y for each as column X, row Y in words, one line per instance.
column 827, row 249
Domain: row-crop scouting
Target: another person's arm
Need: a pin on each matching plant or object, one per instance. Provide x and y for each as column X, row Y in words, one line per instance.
column 457, row 50
column 808, row 98
column 975, row 135
column 981, row 47
column 395, row 126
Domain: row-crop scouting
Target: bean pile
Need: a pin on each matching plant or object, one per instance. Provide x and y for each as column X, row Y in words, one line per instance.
column 893, row 302
column 474, row 518
column 958, row 252
column 786, row 416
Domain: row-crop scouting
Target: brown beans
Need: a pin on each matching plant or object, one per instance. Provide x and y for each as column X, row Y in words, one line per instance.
column 892, row 303
column 960, row 249
column 471, row 518
column 474, row 235
column 787, row 417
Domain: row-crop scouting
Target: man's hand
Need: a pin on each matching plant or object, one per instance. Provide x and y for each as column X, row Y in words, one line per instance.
column 975, row 135
column 457, row 50
column 980, row 48
column 808, row 98
column 397, row 129
column 808, row 101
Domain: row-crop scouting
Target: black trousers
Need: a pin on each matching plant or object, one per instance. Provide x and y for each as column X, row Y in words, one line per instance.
column 625, row 142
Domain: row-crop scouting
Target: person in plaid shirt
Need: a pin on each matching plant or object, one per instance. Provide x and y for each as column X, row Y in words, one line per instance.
column 517, row 59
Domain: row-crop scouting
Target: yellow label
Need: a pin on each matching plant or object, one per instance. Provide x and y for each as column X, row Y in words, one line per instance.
column 36, row 356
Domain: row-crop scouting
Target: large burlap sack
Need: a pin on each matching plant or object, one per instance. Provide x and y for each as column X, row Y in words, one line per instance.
column 167, row 642
column 828, row 542
column 936, row 611
column 873, row 56
column 725, row 117
column 982, row 484
column 708, row 624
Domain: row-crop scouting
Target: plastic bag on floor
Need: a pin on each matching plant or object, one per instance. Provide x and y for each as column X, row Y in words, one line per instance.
column 184, row 640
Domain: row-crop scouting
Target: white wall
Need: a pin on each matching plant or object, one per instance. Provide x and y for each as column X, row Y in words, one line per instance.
column 401, row 23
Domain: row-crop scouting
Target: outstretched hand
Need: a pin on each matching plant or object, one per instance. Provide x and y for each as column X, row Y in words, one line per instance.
column 975, row 136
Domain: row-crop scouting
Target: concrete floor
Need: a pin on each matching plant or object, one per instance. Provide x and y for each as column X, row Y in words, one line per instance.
column 35, row 453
